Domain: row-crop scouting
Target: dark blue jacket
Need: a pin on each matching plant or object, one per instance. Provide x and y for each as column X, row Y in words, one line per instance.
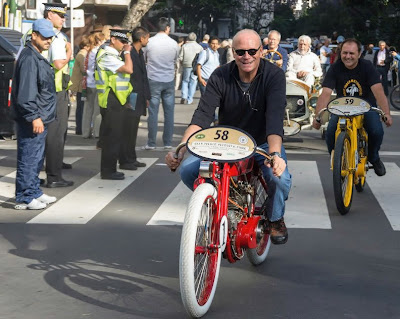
column 282, row 51
column 33, row 92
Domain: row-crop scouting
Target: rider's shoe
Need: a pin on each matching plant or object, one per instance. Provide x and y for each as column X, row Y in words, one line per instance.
column 379, row 168
column 278, row 232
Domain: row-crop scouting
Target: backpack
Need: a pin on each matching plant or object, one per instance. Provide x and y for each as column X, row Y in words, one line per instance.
column 196, row 58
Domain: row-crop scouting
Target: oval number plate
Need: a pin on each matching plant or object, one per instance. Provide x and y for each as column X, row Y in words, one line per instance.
column 348, row 106
column 221, row 143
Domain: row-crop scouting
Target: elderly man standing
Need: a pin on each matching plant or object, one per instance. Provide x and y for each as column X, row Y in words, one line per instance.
column 304, row 64
column 382, row 61
column 325, row 53
column 273, row 40
column 186, row 56
column 161, row 54
column 34, row 104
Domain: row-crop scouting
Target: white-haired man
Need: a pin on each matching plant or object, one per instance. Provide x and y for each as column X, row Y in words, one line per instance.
column 186, row 56
column 271, row 44
column 304, row 64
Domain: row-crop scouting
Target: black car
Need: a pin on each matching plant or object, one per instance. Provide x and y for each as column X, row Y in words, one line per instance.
column 9, row 46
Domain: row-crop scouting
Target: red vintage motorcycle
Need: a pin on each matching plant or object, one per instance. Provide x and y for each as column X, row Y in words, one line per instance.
column 225, row 215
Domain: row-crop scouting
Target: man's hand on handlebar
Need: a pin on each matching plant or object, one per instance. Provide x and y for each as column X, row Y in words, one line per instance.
column 278, row 165
column 387, row 119
column 174, row 161
column 316, row 124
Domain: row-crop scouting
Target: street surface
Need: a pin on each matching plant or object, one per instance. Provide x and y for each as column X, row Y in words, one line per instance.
column 110, row 249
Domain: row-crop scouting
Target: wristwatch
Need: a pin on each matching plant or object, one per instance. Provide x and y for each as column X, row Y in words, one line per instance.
column 275, row 154
column 318, row 120
column 127, row 52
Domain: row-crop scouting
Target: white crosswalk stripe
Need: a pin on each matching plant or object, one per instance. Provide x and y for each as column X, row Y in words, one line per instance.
column 86, row 201
column 386, row 192
column 83, row 203
column 299, row 212
column 7, row 183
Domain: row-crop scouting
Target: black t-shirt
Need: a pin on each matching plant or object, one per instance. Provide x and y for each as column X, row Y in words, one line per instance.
column 355, row 82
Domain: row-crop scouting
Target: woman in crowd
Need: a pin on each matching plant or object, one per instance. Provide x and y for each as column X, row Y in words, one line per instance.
column 91, row 110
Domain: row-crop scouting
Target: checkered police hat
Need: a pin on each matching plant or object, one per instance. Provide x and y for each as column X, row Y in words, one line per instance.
column 55, row 7
column 120, row 33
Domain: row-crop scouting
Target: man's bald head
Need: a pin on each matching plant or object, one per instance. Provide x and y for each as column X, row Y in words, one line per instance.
column 245, row 33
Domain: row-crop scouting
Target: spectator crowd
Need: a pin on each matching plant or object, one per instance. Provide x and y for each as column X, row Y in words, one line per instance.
column 119, row 76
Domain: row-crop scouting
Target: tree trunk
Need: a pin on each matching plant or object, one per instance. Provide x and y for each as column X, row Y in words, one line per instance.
column 136, row 13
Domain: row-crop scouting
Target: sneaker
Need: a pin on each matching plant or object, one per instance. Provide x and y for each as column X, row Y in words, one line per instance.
column 168, row 147
column 148, row 148
column 379, row 168
column 183, row 101
column 34, row 204
column 46, row 199
column 278, row 232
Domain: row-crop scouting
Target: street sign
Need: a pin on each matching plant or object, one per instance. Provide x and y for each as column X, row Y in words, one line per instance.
column 78, row 19
column 73, row 3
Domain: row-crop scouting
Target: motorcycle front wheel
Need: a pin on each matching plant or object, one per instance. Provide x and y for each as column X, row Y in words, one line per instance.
column 342, row 176
column 199, row 258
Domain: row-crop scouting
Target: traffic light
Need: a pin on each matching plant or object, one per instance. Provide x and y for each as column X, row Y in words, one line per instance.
column 180, row 23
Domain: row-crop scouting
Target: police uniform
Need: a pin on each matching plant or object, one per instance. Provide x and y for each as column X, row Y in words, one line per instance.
column 57, row 129
column 113, row 89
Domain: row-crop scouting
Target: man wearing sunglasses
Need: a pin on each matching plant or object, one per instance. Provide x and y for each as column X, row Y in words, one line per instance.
column 251, row 95
column 34, row 104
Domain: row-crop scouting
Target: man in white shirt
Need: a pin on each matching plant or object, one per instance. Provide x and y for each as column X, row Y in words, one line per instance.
column 59, row 55
column 304, row 64
column 382, row 61
column 161, row 54
column 186, row 56
column 324, row 56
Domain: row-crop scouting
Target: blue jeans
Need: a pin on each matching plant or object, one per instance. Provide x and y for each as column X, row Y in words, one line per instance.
column 202, row 88
column 189, row 83
column 30, row 157
column 372, row 125
column 164, row 91
column 278, row 188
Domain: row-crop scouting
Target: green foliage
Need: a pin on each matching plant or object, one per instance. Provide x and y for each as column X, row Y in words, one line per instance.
column 284, row 21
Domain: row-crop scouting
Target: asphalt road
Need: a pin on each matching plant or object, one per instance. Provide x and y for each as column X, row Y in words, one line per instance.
column 111, row 249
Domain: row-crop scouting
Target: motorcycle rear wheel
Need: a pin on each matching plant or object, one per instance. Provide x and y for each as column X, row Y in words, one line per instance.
column 199, row 264
column 258, row 255
column 342, row 177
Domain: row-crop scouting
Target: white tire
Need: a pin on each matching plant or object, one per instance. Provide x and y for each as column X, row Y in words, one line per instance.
column 198, row 285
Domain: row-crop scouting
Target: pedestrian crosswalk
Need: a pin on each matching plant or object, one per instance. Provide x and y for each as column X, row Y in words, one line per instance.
column 306, row 208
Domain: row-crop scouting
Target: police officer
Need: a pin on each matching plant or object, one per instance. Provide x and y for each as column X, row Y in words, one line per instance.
column 112, row 77
column 34, row 104
column 59, row 55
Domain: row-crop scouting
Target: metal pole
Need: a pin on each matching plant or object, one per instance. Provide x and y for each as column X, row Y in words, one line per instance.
column 72, row 28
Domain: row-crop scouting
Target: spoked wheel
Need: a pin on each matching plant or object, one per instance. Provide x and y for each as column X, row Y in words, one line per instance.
column 395, row 97
column 199, row 259
column 257, row 255
column 342, row 176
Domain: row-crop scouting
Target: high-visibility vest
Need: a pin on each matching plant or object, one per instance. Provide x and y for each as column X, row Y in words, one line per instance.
column 118, row 82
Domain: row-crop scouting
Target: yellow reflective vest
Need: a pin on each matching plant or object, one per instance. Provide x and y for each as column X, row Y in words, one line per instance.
column 118, row 82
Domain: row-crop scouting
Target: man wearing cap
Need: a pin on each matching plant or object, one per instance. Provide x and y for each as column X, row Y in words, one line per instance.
column 112, row 76
column 59, row 55
column 34, row 104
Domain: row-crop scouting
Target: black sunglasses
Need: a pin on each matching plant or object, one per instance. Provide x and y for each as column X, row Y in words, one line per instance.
column 241, row 52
